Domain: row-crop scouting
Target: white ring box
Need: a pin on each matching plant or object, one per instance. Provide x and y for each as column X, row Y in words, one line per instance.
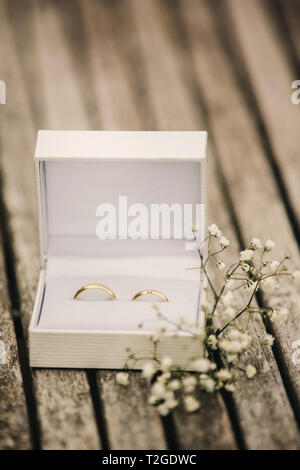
column 76, row 171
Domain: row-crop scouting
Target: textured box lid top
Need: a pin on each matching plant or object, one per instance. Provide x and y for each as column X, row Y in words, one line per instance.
column 119, row 145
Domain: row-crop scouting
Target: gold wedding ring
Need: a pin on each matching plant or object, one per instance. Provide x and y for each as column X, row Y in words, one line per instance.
column 150, row 292
column 95, row 286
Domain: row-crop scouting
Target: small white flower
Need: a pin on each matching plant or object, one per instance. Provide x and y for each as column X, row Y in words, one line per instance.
column 122, row 378
column 296, row 276
column 248, row 285
column 230, row 387
column 269, row 245
column 213, row 229
column 201, row 365
column 269, row 284
column 148, row 370
column 191, row 404
column 174, row 385
column 279, row 314
column 224, row 242
column 245, row 267
column 171, row 403
column 152, row 399
column 256, row 243
column 159, row 331
column 212, row 341
column 246, row 255
column 166, row 363
column 268, row 340
column 224, row 375
column 231, row 357
column 158, row 390
column 274, row 265
column 163, row 409
column 231, row 284
column 207, row 383
column 164, row 377
column 250, row 371
column 229, row 313
column 227, row 298
column 231, row 346
column 189, row 383
column 220, row 265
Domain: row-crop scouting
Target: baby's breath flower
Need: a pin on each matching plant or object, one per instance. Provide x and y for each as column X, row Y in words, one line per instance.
column 148, row 370
column 274, row 265
column 229, row 313
column 245, row 267
column 212, row 341
column 189, row 383
column 166, row 363
column 231, row 346
column 122, row 378
column 269, row 245
column 213, row 229
column 159, row 331
column 296, row 276
column 174, row 385
column 158, row 390
column 164, row 377
column 191, row 404
column 224, row 375
column 224, row 242
column 230, row 387
column 268, row 340
column 207, row 383
column 201, row 365
column 269, row 284
column 279, row 313
column 227, row 298
column 255, row 243
column 230, row 284
column 152, row 399
column 163, row 409
column 250, row 371
column 220, row 265
column 246, row 255
column 171, row 403
column 231, row 357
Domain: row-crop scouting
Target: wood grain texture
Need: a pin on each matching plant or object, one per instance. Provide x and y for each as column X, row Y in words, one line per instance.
column 110, row 81
column 271, row 75
column 127, row 411
column 289, row 12
column 14, row 426
column 241, row 158
column 154, row 65
column 17, row 139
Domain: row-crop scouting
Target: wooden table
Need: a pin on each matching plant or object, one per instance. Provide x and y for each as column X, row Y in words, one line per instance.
column 225, row 66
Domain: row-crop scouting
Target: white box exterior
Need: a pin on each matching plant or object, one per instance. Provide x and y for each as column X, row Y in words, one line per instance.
column 67, row 348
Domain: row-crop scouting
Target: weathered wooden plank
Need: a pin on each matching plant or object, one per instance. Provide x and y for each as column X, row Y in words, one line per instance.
column 171, row 108
column 115, row 101
column 108, row 71
column 289, row 11
column 14, row 427
column 241, row 159
column 127, row 411
column 271, row 76
column 69, row 392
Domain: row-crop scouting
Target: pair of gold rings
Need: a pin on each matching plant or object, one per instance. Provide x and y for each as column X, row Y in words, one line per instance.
column 113, row 296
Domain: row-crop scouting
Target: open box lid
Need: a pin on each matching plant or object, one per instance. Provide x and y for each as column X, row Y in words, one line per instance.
column 79, row 170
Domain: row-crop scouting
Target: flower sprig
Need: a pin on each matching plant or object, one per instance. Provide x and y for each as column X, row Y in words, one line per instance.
column 226, row 336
